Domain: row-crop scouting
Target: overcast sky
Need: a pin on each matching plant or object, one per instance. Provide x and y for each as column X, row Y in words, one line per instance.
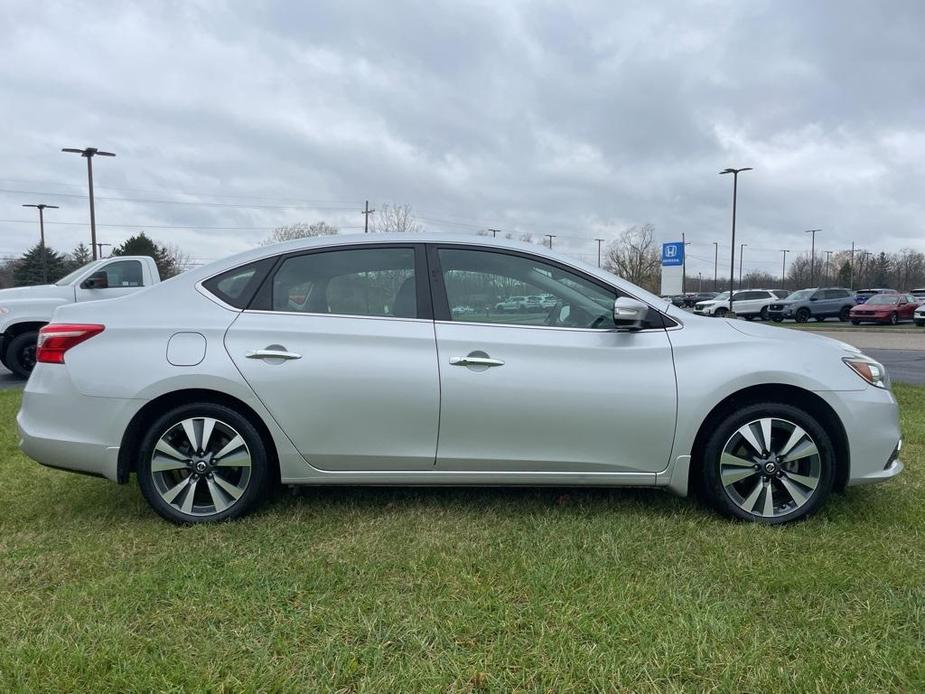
column 576, row 119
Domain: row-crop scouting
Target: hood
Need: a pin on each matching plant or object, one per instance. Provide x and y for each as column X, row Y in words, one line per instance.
column 767, row 332
column 42, row 291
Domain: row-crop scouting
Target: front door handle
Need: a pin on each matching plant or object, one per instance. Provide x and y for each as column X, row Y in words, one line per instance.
column 475, row 361
column 272, row 354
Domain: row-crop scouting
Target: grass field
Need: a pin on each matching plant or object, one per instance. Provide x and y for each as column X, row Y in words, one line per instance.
column 459, row 590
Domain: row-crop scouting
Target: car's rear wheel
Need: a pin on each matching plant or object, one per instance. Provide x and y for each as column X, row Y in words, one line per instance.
column 770, row 463
column 20, row 354
column 201, row 463
column 802, row 315
column 844, row 313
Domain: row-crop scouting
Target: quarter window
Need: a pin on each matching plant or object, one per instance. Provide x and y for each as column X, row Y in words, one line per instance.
column 492, row 287
column 355, row 282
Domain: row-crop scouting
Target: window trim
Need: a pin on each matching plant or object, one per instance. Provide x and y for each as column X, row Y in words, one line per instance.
column 262, row 300
column 441, row 304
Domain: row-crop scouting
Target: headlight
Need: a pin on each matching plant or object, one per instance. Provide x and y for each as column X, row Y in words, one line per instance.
column 871, row 371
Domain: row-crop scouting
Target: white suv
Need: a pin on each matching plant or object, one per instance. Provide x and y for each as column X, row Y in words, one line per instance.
column 919, row 315
column 748, row 303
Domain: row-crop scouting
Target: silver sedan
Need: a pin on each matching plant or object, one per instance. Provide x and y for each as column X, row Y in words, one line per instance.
column 340, row 361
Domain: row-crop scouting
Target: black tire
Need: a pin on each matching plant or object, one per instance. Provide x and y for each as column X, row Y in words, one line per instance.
column 844, row 314
column 764, row 313
column 749, row 317
column 711, row 483
column 720, row 312
column 894, row 318
column 259, row 469
column 855, row 322
column 802, row 315
column 20, row 354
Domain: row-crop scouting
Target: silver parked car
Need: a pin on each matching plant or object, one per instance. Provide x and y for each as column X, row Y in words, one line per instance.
column 338, row 361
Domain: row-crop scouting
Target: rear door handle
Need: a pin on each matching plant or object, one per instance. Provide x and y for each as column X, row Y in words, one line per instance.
column 475, row 361
column 272, row 354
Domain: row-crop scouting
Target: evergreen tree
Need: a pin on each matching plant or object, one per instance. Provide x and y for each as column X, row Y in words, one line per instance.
column 79, row 257
column 30, row 270
column 142, row 244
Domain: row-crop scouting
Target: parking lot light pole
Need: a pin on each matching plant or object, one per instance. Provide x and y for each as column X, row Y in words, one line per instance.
column 812, row 257
column 599, row 242
column 741, row 258
column 41, row 208
column 89, row 153
column 732, row 259
column 715, row 263
column 783, row 267
column 550, row 237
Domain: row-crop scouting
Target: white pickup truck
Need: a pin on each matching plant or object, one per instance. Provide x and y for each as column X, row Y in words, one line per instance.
column 24, row 310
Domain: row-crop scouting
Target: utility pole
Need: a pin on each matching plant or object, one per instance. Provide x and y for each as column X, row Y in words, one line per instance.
column 494, row 232
column 783, row 267
column 812, row 257
column 700, row 284
column 732, row 260
column 715, row 263
column 684, row 245
column 100, row 247
column 851, row 281
column 550, row 237
column 88, row 153
column 41, row 208
column 599, row 242
column 866, row 271
column 366, row 212
column 741, row 257
column 825, row 268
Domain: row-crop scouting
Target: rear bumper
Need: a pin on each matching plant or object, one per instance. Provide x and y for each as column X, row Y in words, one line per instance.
column 62, row 428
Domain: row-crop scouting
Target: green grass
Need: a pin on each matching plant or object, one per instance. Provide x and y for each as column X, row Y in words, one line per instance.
column 836, row 325
column 386, row 590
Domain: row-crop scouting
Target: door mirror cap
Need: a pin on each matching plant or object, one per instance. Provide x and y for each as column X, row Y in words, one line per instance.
column 98, row 280
column 629, row 314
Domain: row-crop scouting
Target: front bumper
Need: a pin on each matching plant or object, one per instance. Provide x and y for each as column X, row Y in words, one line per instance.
column 62, row 428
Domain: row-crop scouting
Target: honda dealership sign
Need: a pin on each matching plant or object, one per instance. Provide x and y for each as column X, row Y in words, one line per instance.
column 672, row 268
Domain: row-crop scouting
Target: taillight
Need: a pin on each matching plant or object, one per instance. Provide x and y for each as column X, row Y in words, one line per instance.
column 57, row 338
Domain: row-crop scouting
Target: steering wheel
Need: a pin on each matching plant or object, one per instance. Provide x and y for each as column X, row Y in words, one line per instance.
column 577, row 317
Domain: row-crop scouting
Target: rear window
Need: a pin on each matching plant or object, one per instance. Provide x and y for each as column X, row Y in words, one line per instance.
column 236, row 287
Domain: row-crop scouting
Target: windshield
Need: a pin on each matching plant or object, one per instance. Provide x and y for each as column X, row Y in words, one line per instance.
column 71, row 276
column 720, row 297
column 802, row 295
column 887, row 299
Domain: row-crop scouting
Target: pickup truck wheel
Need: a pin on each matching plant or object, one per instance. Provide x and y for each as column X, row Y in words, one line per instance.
column 802, row 315
column 20, row 354
column 843, row 314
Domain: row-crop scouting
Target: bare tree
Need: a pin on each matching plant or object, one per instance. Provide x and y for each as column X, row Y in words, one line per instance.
column 177, row 258
column 299, row 230
column 395, row 218
column 634, row 257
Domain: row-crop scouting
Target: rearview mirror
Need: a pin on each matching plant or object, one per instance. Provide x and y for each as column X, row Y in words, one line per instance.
column 629, row 314
column 98, row 280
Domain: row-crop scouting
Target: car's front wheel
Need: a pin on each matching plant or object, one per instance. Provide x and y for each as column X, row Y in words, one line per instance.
column 844, row 314
column 202, row 462
column 802, row 315
column 768, row 462
column 720, row 312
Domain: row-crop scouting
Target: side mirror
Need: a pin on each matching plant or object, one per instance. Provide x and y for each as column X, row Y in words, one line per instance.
column 629, row 314
column 98, row 280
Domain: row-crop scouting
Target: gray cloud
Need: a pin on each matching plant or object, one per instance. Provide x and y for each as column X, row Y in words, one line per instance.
column 528, row 116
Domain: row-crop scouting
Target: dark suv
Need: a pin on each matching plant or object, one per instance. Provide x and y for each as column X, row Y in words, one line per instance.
column 822, row 303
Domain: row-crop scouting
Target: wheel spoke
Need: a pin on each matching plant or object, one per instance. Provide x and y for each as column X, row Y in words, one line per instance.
column 768, row 499
column 736, row 474
column 803, row 450
column 168, row 450
column 165, row 463
column 749, row 436
column 233, row 445
column 239, row 459
column 736, row 461
column 175, row 490
column 208, row 424
column 233, row 491
column 766, row 433
column 749, row 502
column 806, row 481
column 189, row 427
column 187, row 506
column 217, row 499
column 794, row 439
column 798, row 495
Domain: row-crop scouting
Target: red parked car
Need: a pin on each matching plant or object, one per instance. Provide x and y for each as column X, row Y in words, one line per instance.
column 885, row 308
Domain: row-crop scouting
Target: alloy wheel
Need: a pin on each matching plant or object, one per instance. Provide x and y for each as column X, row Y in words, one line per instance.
column 770, row 467
column 201, row 466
